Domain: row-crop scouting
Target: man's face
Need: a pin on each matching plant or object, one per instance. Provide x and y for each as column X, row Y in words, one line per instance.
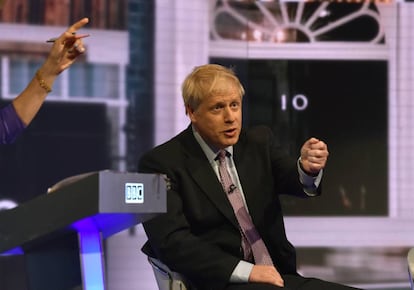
column 218, row 118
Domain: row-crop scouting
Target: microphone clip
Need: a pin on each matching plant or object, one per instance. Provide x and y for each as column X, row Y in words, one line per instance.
column 232, row 188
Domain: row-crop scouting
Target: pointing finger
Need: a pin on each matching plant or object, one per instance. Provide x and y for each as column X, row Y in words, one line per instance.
column 78, row 25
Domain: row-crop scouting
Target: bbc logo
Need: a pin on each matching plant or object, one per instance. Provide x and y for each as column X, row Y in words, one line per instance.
column 134, row 193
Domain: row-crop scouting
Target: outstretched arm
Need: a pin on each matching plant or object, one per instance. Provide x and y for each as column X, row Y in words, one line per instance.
column 66, row 48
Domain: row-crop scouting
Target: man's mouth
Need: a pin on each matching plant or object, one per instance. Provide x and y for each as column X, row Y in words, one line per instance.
column 230, row 132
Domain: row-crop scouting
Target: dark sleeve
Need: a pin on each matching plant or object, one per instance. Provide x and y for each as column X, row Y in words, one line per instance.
column 284, row 167
column 10, row 125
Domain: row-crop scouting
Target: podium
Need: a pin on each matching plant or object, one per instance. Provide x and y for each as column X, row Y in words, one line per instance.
column 61, row 233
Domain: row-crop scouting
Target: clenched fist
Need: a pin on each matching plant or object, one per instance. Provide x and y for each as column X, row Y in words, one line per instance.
column 313, row 156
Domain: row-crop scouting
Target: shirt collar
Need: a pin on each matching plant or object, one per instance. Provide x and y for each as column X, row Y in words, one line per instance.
column 208, row 150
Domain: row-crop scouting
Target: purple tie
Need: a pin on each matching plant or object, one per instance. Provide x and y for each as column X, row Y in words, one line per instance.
column 251, row 240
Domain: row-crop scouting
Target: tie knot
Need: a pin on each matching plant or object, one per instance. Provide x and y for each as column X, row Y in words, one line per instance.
column 221, row 156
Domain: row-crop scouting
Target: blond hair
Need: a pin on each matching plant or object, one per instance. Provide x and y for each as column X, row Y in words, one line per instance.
column 208, row 80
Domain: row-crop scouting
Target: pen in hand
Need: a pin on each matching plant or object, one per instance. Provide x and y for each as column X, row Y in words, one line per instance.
column 53, row 39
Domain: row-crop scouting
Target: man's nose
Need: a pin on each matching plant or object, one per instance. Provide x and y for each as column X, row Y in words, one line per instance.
column 229, row 114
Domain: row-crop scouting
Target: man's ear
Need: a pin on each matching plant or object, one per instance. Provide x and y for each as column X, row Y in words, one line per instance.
column 190, row 112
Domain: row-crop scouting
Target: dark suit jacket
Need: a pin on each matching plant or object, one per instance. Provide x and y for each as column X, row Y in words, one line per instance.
column 199, row 236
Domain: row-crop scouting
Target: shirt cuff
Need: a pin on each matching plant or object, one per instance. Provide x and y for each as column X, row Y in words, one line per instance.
column 242, row 272
column 310, row 183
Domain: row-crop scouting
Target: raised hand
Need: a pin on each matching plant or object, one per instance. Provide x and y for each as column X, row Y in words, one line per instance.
column 313, row 156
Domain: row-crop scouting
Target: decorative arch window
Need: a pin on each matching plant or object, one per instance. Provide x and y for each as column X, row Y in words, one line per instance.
column 296, row 22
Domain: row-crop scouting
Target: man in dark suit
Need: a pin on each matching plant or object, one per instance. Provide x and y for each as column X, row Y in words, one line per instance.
column 201, row 236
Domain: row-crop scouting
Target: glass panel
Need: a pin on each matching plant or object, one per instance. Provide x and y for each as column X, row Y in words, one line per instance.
column 94, row 80
column 18, row 75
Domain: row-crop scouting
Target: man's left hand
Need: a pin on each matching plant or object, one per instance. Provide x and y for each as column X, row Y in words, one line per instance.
column 313, row 156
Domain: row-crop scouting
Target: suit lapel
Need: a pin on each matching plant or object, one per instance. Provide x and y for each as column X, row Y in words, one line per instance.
column 243, row 159
column 203, row 174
